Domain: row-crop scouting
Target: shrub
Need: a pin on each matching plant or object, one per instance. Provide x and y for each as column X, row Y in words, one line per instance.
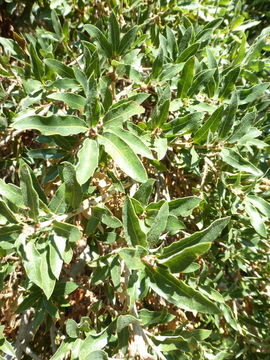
column 134, row 194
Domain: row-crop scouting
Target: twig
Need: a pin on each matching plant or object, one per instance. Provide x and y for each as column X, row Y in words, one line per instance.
column 53, row 336
column 29, row 352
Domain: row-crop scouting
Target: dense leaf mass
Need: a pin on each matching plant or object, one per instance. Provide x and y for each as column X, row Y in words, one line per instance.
column 134, row 190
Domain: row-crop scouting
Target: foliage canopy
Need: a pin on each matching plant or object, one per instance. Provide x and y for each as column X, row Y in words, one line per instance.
column 134, row 190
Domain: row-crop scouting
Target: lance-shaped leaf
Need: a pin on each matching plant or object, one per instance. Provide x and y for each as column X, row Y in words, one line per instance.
column 127, row 40
column 52, row 125
column 60, row 68
column 228, row 120
column 186, row 78
column 243, row 127
column 136, row 144
column 211, row 124
column 114, row 33
column 255, row 219
column 133, row 232
column 100, row 39
column 262, row 205
column 160, row 115
column 144, row 192
column 132, row 257
column 229, row 82
column 9, row 232
column 57, row 203
column 67, row 231
column 200, row 80
column 73, row 101
column 118, row 114
column 73, row 191
column 29, row 194
column 123, row 156
column 88, row 160
column 36, row 267
column 159, row 225
column 253, row 94
column 235, row 160
column 6, row 212
column 183, row 206
column 158, row 64
column 180, row 261
column 12, row 193
column 177, row 292
column 37, row 64
column 207, row 235
column 188, row 52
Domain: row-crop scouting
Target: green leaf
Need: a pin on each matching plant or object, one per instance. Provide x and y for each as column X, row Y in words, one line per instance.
column 177, row 292
column 60, row 68
column 186, row 78
column 205, row 236
column 36, row 267
column 149, row 318
column 10, row 46
column 255, row 219
column 97, row 355
column 57, row 203
column 254, row 93
column 82, row 80
column 228, row 122
column 100, row 38
column 188, row 52
column 160, row 115
column 6, row 212
column 47, row 277
column 132, row 257
column 67, row 231
column 123, row 156
column 262, row 205
column 174, row 225
column 133, row 141
column 73, row 101
column 183, row 125
column 235, row 160
column 127, row 40
column 57, row 247
column 200, row 80
column 125, row 320
column 241, row 52
column 12, row 193
column 87, row 160
column 159, row 225
column 37, row 64
column 158, row 64
column 7, row 230
column 183, row 206
column 29, row 194
column 73, row 191
column 229, row 82
column 64, row 288
column 56, row 24
column 72, row 328
column 52, row 125
column 114, row 33
column 211, row 124
column 133, row 232
column 243, row 127
column 180, row 261
column 144, row 192
column 93, row 343
column 119, row 114
column 63, row 350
